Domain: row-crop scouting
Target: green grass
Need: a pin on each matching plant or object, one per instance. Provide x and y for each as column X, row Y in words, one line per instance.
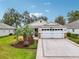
column 9, row 52
column 33, row 46
column 76, row 40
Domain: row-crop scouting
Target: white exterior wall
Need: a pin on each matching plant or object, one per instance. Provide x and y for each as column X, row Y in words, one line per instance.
column 69, row 30
column 4, row 32
column 76, row 31
column 12, row 31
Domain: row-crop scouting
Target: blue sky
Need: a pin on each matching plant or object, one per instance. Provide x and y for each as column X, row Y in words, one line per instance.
column 49, row 8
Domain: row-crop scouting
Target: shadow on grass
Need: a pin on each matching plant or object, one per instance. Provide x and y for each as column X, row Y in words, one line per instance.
column 32, row 46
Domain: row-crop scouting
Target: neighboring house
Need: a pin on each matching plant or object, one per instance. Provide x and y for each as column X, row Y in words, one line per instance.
column 49, row 30
column 6, row 29
column 73, row 27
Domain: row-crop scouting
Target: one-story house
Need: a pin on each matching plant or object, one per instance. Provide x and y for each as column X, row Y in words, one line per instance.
column 6, row 29
column 43, row 29
column 73, row 27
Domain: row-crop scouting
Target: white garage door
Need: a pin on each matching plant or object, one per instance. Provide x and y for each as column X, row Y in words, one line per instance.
column 52, row 33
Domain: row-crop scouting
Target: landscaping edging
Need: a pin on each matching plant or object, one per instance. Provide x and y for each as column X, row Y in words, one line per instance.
column 73, row 42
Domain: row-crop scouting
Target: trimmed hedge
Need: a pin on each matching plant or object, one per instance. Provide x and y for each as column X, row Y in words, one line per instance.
column 72, row 35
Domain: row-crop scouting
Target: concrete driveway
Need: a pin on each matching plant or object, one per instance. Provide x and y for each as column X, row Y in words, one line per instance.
column 57, row 49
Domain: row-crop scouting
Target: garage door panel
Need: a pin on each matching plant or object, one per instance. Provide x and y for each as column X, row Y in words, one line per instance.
column 58, row 35
column 52, row 35
column 46, row 35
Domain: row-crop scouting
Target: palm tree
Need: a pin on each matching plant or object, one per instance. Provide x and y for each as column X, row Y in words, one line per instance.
column 27, row 32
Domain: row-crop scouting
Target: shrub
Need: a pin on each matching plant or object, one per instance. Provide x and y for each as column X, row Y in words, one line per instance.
column 24, row 36
column 68, row 34
column 72, row 35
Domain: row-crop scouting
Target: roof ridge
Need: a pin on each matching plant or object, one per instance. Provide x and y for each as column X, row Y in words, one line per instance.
column 74, row 24
column 74, row 21
column 3, row 25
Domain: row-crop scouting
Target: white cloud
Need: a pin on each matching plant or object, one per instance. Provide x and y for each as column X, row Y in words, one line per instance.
column 47, row 3
column 36, row 14
column 33, row 6
column 47, row 11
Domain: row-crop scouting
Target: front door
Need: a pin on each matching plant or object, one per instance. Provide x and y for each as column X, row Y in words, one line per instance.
column 36, row 32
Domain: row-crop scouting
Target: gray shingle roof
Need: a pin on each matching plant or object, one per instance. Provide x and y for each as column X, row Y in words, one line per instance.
column 5, row 26
column 38, row 23
column 53, row 25
column 74, row 25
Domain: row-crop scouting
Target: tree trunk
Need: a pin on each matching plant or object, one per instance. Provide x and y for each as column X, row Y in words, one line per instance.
column 30, row 39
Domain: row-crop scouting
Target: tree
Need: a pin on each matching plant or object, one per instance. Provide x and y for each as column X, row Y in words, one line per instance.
column 11, row 17
column 29, row 19
column 26, row 31
column 60, row 20
column 34, row 18
column 43, row 18
column 26, row 17
column 73, row 16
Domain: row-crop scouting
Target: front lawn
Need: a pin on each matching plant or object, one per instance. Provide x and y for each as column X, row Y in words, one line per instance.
column 9, row 52
column 76, row 40
column 73, row 37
